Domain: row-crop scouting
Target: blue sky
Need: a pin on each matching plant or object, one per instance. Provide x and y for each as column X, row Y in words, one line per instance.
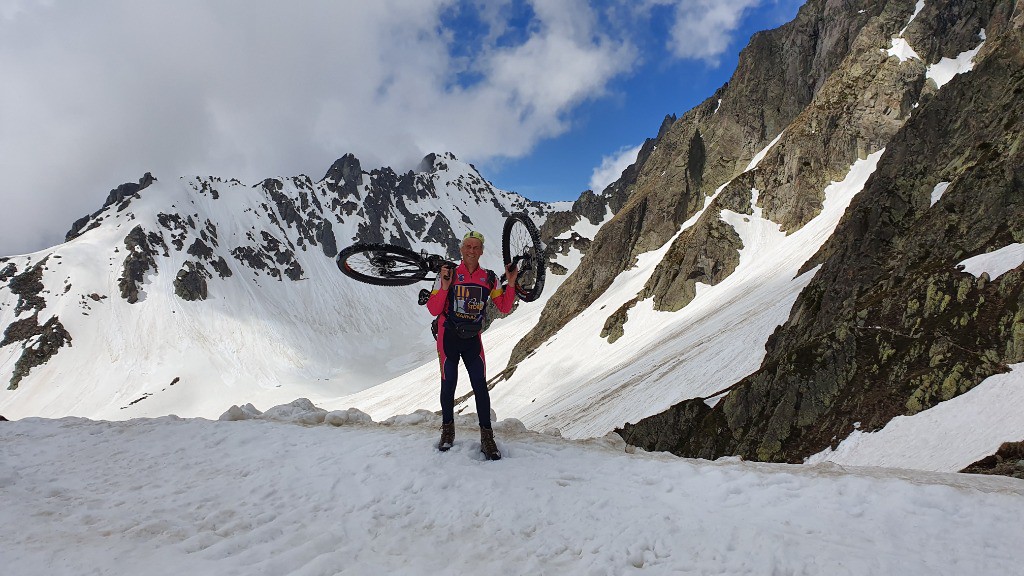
column 538, row 94
column 560, row 168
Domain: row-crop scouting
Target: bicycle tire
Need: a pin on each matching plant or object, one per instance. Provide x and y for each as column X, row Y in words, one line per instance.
column 382, row 264
column 520, row 241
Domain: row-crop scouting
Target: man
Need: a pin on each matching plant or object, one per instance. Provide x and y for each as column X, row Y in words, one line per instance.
column 459, row 303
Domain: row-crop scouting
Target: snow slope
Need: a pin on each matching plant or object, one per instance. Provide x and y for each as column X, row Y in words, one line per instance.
column 257, row 337
column 270, row 496
column 586, row 387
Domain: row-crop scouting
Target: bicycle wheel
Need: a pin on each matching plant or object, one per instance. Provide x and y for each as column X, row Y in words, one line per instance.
column 382, row 264
column 520, row 244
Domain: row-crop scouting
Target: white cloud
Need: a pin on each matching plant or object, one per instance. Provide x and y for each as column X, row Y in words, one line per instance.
column 703, row 29
column 612, row 166
column 95, row 94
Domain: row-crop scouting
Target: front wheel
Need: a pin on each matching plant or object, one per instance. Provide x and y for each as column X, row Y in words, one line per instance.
column 520, row 245
column 382, row 264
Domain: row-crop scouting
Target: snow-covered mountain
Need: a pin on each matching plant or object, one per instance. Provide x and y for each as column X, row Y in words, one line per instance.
column 823, row 252
column 181, row 294
column 828, row 244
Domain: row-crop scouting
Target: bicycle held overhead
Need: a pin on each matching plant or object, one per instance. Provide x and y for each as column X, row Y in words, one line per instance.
column 458, row 304
column 390, row 265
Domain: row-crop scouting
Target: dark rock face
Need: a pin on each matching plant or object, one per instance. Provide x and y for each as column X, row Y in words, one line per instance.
column 557, row 224
column 778, row 76
column 1007, row 461
column 706, row 253
column 200, row 249
column 49, row 339
column 888, row 325
column 270, row 256
column 39, row 342
column 440, row 231
column 138, row 263
column 178, row 227
column 190, row 282
column 611, row 248
column 562, row 245
column 121, row 196
column 28, row 286
column 325, row 236
column 590, row 206
column 344, row 177
column 376, row 209
column 295, row 212
column 613, row 327
column 221, row 267
column 8, row 272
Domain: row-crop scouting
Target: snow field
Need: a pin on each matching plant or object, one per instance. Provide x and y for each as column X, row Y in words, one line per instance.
column 258, row 496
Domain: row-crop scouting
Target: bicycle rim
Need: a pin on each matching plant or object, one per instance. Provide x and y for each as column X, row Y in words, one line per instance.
column 382, row 264
column 520, row 243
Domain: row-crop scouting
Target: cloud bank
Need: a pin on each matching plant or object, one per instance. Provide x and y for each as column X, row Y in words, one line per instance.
column 612, row 166
column 95, row 94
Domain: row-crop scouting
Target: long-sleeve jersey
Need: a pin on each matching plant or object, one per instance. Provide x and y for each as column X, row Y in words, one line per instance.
column 466, row 298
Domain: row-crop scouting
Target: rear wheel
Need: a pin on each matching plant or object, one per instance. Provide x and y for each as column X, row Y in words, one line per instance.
column 520, row 245
column 382, row 264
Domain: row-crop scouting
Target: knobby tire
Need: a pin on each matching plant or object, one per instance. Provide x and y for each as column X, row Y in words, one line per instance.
column 382, row 264
column 520, row 241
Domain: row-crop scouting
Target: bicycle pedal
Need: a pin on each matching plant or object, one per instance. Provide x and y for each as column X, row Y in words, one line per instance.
column 424, row 295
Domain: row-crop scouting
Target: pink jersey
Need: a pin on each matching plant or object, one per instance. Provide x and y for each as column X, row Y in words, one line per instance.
column 466, row 298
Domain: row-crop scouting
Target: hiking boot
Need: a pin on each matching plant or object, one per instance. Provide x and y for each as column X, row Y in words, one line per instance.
column 487, row 445
column 447, row 436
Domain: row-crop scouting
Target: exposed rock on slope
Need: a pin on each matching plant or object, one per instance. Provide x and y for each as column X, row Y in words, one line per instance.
column 889, row 325
column 778, row 76
column 239, row 281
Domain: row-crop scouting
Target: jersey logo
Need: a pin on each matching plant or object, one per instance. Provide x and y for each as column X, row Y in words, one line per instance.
column 469, row 301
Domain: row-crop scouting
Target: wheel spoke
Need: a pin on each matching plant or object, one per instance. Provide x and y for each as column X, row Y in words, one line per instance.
column 382, row 264
column 522, row 247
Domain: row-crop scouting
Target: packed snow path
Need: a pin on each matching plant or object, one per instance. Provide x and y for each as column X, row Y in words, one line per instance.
column 172, row 496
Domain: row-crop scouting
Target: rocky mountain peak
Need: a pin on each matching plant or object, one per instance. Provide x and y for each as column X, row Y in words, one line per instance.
column 345, row 169
column 195, row 249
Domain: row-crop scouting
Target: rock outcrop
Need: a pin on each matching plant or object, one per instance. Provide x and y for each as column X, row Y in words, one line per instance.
column 779, row 75
column 888, row 325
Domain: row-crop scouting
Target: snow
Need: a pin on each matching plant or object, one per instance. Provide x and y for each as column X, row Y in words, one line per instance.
column 256, row 338
column 935, row 439
column 584, row 386
column 944, row 70
column 901, row 49
column 586, row 228
column 171, row 496
column 938, row 191
column 764, row 152
column 917, row 10
column 995, row 263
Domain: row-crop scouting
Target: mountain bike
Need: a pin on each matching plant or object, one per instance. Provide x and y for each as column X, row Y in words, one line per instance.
column 391, row 265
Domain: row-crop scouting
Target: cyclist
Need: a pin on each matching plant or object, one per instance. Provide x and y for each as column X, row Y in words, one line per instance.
column 459, row 303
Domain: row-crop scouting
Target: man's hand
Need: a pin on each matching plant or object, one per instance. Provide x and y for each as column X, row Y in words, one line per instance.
column 511, row 273
column 446, row 276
